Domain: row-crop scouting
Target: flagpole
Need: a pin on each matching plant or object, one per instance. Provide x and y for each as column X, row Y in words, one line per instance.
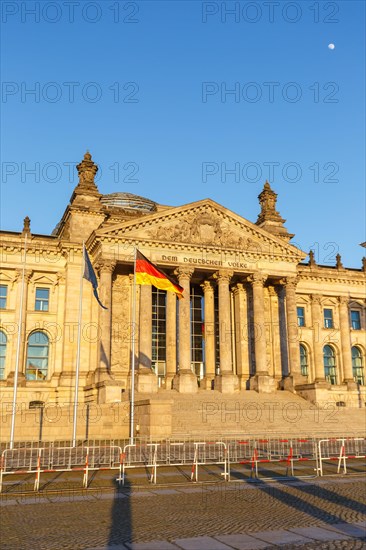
column 20, row 322
column 132, row 412
column 78, row 351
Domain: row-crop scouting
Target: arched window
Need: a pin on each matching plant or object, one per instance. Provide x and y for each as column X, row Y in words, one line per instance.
column 357, row 365
column 3, row 341
column 37, row 356
column 304, row 360
column 330, row 364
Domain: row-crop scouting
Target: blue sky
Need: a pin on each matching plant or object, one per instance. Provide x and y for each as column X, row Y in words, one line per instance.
column 145, row 86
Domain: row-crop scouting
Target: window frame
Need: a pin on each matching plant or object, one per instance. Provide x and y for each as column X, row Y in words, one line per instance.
column 197, row 320
column 42, row 301
column 358, row 320
column 304, row 366
column 359, row 377
column 330, row 370
column 300, row 318
column 37, row 357
column 158, row 331
column 3, row 297
column 327, row 319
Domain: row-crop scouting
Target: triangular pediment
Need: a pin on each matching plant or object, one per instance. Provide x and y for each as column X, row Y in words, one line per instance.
column 43, row 280
column 6, row 277
column 203, row 224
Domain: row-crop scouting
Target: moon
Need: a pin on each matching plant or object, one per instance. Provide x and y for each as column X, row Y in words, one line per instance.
column 331, row 46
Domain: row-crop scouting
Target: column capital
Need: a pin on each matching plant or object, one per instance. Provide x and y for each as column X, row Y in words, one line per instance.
column 207, row 286
column 316, row 299
column 27, row 274
column 292, row 282
column 343, row 300
column 258, row 278
column 184, row 272
column 106, row 265
column 223, row 275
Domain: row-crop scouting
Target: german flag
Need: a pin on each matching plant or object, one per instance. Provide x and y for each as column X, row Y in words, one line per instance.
column 148, row 274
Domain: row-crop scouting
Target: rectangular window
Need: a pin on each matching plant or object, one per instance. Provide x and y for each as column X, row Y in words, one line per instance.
column 355, row 320
column 159, row 333
column 300, row 316
column 42, row 299
column 328, row 318
column 197, row 331
column 3, row 296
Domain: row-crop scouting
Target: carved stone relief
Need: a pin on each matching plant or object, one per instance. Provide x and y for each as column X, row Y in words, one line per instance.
column 121, row 324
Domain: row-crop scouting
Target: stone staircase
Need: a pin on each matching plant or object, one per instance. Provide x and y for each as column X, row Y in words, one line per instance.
column 210, row 413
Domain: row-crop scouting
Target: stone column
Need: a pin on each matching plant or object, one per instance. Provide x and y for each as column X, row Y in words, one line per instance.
column 346, row 343
column 262, row 381
column 185, row 381
column 146, row 381
column 226, row 381
column 241, row 334
column 209, row 324
column 317, row 318
column 275, row 332
column 23, row 328
column 106, row 268
column 295, row 376
column 171, row 338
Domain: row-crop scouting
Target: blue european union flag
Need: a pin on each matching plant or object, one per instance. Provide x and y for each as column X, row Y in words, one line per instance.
column 89, row 275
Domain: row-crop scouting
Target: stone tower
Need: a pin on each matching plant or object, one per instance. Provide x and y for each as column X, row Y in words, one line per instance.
column 85, row 213
column 269, row 219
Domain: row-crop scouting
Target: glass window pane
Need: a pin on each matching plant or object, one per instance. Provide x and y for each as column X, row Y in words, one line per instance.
column 329, row 365
column 38, row 338
column 37, row 356
column 355, row 320
column 328, row 318
column 3, row 296
column 42, row 299
column 301, row 316
column 42, row 293
column 37, row 351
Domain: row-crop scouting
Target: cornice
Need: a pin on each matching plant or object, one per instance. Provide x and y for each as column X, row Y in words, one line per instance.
column 187, row 247
column 335, row 279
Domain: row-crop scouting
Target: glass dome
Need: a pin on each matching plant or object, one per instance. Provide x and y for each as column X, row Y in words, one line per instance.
column 128, row 201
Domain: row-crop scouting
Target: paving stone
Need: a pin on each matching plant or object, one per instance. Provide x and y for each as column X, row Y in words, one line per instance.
column 9, row 502
column 190, row 490
column 193, row 510
column 142, row 494
column 351, row 529
column 360, row 523
column 280, row 537
column 242, row 542
column 319, row 533
column 165, row 491
column 152, row 545
column 201, row 543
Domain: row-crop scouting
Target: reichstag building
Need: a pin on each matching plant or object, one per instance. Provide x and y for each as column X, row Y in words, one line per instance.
column 257, row 313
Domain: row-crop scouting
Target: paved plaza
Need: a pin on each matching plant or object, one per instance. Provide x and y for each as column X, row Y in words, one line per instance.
column 307, row 513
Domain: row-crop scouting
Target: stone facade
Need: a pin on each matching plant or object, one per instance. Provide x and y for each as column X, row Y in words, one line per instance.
column 249, row 282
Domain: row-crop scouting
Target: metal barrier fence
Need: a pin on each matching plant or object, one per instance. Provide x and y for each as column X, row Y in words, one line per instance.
column 60, row 459
column 253, row 454
column 340, row 450
column 259, row 452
